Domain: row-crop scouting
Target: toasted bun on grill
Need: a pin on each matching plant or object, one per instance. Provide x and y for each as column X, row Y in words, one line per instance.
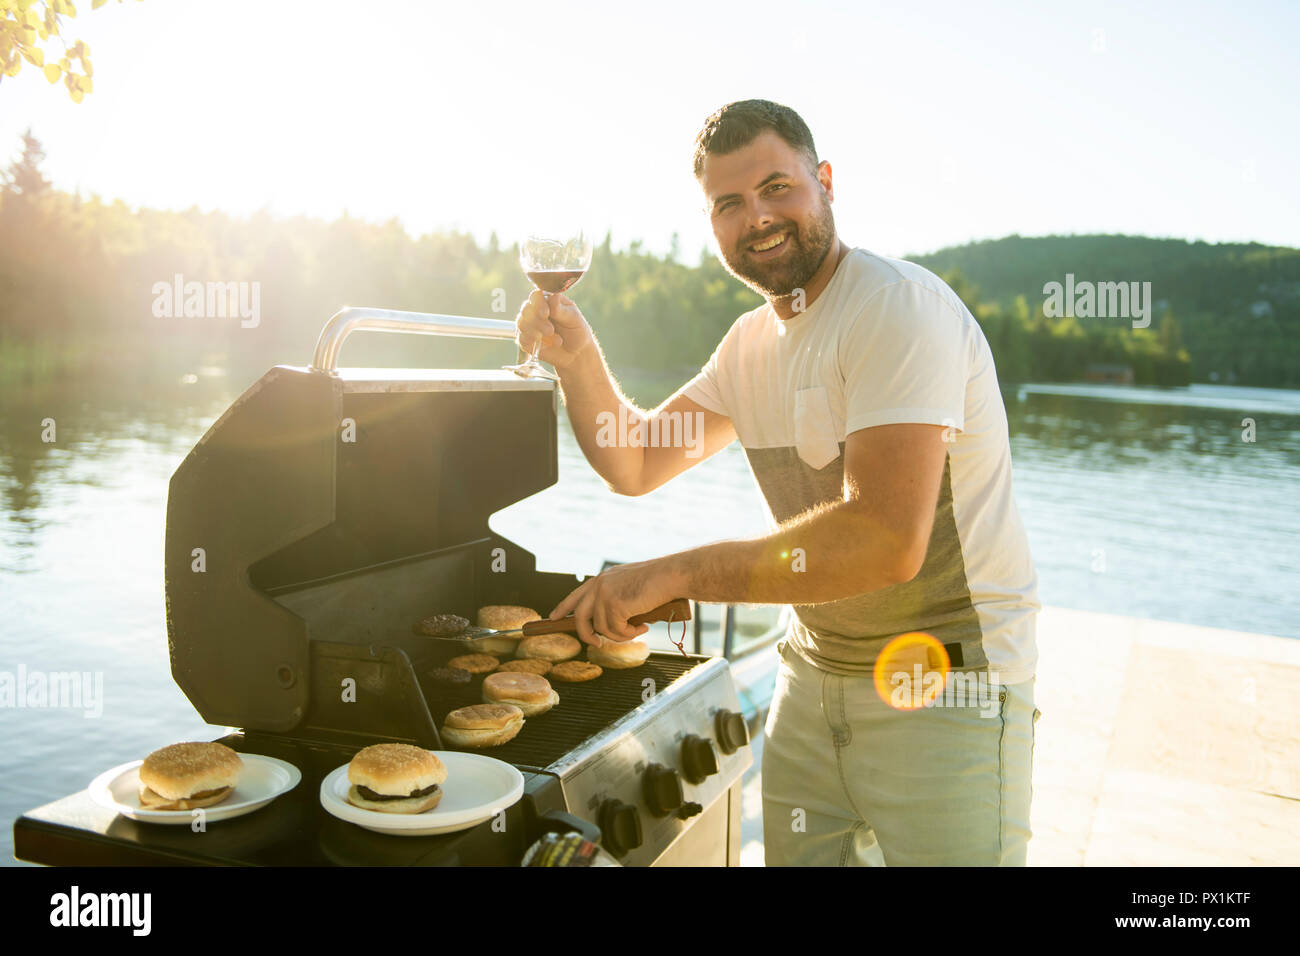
column 526, row 665
column 530, row 693
column 575, row 672
column 501, row 646
column 475, row 663
column 530, row 688
column 506, row 617
column 619, row 654
column 503, row 617
column 482, row 725
column 189, row 775
column 550, row 647
column 484, row 717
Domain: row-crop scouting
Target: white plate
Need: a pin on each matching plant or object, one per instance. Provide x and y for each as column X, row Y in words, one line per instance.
column 263, row 779
column 476, row 788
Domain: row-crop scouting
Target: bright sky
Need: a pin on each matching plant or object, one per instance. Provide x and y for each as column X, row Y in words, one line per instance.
column 944, row 122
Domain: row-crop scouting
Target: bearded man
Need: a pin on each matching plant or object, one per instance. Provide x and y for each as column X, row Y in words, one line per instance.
column 865, row 396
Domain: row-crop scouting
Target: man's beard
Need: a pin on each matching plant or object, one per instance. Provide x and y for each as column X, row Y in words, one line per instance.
column 796, row 267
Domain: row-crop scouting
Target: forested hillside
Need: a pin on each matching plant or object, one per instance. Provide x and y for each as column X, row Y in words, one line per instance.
column 79, row 281
column 1237, row 305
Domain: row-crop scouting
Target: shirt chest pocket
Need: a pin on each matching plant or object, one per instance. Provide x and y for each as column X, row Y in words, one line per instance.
column 814, row 428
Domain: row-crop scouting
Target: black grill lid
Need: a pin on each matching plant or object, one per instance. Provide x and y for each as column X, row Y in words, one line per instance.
column 325, row 506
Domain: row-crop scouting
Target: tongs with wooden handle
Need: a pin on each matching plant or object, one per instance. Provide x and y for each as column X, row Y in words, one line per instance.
column 676, row 610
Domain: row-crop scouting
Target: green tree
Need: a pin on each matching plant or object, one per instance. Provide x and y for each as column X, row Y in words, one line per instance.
column 966, row 290
column 24, row 178
column 1171, row 337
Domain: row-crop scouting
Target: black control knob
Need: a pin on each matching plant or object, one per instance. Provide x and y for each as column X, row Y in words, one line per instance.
column 620, row 827
column 730, row 730
column 699, row 759
column 663, row 789
column 688, row 810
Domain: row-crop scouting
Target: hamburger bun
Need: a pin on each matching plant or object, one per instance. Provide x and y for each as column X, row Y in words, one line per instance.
column 482, row 725
column 550, row 647
column 575, row 672
column 506, row 617
column 189, row 775
column 500, row 646
column 526, row 665
column 619, row 655
column 530, row 693
column 396, row 778
column 503, row 617
column 475, row 663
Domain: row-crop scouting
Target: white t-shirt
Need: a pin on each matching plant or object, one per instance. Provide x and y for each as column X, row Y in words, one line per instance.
column 887, row 342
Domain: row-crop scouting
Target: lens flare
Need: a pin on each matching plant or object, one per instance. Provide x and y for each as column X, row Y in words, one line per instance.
column 911, row 671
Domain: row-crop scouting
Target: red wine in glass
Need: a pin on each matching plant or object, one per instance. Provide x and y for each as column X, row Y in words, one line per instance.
column 553, row 262
column 557, row 281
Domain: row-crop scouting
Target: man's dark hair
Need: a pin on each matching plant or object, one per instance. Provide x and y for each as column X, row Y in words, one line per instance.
column 738, row 124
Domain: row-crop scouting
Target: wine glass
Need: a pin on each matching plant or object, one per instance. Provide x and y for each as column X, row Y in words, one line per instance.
column 553, row 265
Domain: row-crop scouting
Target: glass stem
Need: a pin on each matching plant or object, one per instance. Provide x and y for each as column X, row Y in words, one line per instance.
column 537, row 346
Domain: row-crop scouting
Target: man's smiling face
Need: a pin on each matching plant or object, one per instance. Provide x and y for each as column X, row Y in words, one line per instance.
column 771, row 214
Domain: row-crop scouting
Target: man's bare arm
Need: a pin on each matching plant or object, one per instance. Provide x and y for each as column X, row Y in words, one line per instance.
column 875, row 537
column 679, row 434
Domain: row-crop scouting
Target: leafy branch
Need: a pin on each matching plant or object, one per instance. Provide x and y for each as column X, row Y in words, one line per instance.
column 27, row 24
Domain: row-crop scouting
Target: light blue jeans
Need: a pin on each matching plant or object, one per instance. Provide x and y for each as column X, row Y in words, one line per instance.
column 849, row 780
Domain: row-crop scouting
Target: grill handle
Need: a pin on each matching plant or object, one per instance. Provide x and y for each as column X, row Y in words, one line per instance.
column 678, row 609
column 347, row 321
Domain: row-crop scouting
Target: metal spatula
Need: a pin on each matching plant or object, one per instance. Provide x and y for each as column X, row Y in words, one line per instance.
column 676, row 610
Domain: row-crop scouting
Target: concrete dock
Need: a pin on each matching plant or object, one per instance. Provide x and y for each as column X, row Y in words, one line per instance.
column 1159, row 745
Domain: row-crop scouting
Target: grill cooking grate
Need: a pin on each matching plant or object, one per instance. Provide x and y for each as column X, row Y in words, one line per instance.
column 584, row 709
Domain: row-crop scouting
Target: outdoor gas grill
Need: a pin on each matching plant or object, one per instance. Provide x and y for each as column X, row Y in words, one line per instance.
column 320, row 516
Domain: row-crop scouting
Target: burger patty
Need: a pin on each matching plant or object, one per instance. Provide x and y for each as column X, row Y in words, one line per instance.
column 454, row 676
column 202, row 794
column 441, row 625
column 153, row 800
column 371, row 795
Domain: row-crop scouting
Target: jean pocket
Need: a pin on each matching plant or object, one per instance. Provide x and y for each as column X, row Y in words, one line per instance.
column 814, row 428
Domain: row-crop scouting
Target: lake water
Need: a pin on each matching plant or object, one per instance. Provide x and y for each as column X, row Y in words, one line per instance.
column 1143, row 502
